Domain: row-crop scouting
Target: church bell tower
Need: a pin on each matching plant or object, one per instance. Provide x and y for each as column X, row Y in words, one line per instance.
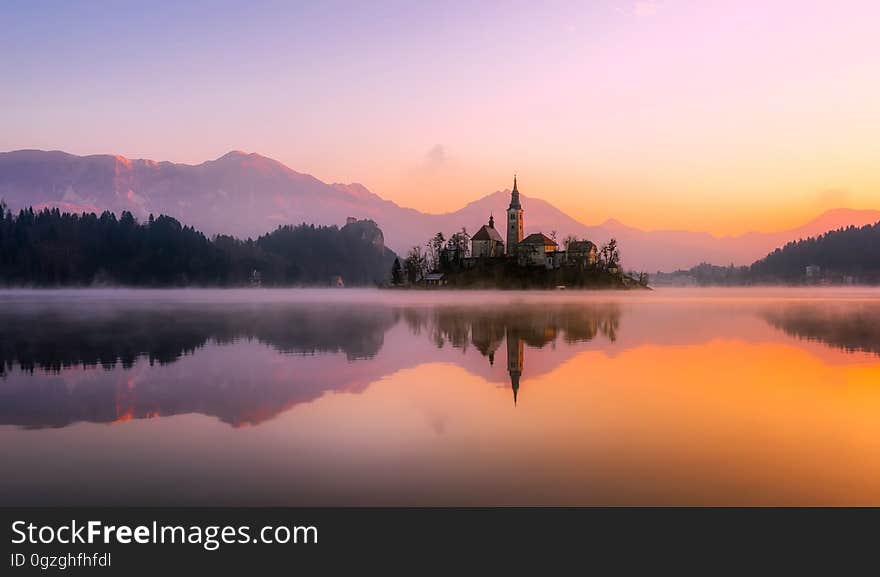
column 514, row 220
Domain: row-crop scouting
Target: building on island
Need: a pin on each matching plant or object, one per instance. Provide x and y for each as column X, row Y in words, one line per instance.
column 581, row 253
column 435, row 279
column 514, row 220
column 487, row 242
column 537, row 249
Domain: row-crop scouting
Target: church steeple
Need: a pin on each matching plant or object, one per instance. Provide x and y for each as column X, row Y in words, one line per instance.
column 514, row 220
column 491, row 221
column 514, row 196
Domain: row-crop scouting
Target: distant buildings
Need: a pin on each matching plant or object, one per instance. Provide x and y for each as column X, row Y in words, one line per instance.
column 435, row 279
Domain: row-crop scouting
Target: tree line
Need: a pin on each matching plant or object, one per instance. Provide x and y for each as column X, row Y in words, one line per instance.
column 845, row 255
column 50, row 247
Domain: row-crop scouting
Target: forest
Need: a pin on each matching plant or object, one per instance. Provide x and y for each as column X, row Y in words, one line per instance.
column 848, row 255
column 54, row 248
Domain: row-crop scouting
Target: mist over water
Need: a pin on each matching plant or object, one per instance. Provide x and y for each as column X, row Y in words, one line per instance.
column 337, row 397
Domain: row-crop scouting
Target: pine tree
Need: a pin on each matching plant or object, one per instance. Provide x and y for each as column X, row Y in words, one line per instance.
column 396, row 272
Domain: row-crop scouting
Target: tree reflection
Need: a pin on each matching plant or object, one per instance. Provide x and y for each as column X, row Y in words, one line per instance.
column 236, row 368
column 851, row 327
column 536, row 326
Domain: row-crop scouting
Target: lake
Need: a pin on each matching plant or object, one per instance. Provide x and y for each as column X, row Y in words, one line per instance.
column 367, row 397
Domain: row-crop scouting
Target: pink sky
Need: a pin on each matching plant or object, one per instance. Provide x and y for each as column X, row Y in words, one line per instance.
column 719, row 116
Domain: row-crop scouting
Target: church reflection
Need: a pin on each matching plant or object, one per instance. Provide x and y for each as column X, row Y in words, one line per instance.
column 514, row 362
column 247, row 364
column 518, row 327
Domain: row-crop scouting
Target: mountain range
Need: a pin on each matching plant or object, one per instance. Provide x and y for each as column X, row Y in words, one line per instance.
column 248, row 195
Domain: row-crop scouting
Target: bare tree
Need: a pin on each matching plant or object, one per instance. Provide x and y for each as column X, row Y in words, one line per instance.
column 435, row 247
column 609, row 258
column 415, row 265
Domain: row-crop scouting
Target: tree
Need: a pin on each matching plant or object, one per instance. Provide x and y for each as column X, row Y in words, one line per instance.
column 415, row 265
column 54, row 248
column 609, row 258
column 396, row 273
column 461, row 243
column 435, row 247
column 568, row 240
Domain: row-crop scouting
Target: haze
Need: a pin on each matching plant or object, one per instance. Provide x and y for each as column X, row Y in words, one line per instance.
column 724, row 117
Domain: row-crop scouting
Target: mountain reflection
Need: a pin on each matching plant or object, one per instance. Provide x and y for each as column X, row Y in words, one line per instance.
column 246, row 363
column 850, row 327
column 108, row 365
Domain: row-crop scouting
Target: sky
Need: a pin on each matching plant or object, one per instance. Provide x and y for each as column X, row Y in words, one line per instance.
column 699, row 115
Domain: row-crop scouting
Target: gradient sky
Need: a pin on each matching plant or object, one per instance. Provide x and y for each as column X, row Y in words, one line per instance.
column 719, row 116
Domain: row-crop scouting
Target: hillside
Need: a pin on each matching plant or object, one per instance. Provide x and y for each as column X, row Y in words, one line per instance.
column 848, row 255
column 245, row 194
column 845, row 255
column 51, row 248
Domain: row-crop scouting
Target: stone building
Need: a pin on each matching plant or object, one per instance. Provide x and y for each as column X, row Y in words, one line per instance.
column 487, row 242
column 537, row 249
column 581, row 253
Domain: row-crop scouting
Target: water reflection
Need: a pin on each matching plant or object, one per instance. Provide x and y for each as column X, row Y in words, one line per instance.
column 58, row 338
column 536, row 326
column 111, row 365
column 229, row 371
column 852, row 326
column 484, row 399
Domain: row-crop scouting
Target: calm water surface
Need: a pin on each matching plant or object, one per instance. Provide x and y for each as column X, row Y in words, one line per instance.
column 261, row 397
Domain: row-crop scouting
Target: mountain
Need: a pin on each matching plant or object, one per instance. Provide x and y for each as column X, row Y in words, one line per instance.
column 247, row 194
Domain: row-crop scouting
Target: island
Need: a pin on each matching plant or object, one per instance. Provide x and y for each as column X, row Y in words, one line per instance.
column 488, row 261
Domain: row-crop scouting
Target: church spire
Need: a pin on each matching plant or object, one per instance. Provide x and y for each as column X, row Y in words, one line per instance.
column 514, row 196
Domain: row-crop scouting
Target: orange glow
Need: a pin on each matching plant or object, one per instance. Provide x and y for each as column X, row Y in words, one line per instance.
column 700, row 424
column 123, row 417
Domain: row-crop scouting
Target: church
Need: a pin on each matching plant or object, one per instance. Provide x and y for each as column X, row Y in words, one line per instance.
column 537, row 249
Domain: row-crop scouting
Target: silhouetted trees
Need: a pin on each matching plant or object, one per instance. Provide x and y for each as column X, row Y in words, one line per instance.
column 396, row 272
column 54, row 248
column 609, row 257
column 845, row 255
column 847, row 252
column 435, row 246
column 415, row 265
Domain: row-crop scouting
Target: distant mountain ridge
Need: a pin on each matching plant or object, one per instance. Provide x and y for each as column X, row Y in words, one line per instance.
column 246, row 194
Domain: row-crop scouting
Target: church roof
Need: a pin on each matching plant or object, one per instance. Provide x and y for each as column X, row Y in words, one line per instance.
column 487, row 233
column 539, row 238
